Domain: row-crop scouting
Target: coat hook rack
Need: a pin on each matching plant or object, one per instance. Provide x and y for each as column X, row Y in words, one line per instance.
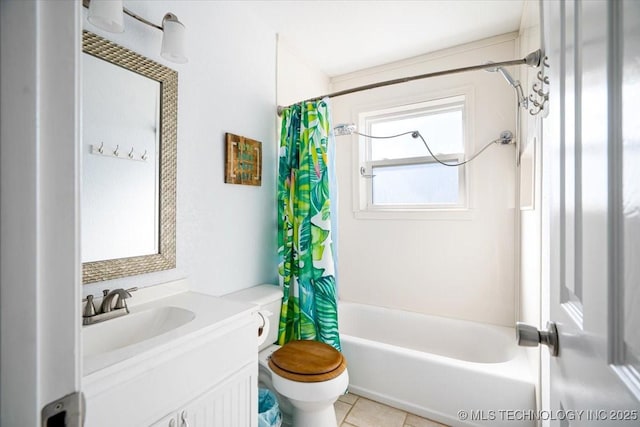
column 101, row 150
column 540, row 97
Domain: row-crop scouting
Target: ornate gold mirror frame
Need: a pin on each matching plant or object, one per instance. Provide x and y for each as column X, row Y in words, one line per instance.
column 165, row 259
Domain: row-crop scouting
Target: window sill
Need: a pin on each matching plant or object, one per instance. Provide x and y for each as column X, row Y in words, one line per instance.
column 453, row 214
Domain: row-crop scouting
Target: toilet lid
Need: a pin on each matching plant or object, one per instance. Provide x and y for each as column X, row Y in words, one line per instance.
column 307, row 361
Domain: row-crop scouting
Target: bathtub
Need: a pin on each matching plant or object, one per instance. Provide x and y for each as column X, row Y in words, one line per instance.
column 435, row 367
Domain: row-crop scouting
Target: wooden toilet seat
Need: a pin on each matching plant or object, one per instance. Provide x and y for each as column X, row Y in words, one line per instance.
column 307, row 361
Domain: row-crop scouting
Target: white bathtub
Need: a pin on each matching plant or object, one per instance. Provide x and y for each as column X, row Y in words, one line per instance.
column 435, row 367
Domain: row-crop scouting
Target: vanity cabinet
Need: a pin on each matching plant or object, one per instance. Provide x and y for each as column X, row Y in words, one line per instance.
column 205, row 372
column 232, row 403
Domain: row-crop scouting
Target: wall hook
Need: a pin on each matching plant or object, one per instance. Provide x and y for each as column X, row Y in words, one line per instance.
column 131, row 153
column 543, row 79
column 144, row 156
column 539, row 97
column 115, row 152
column 101, row 148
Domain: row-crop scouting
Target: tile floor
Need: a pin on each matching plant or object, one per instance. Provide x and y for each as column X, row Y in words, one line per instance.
column 355, row 411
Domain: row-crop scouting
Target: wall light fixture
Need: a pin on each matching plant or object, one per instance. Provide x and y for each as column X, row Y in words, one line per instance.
column 109, row 15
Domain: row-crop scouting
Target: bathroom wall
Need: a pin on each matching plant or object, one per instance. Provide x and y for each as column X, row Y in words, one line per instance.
column 461, row 268
column 530, row 179
column 297, row 79
column 226, row 234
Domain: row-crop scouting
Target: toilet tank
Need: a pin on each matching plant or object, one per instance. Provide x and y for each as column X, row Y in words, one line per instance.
column 267, row 298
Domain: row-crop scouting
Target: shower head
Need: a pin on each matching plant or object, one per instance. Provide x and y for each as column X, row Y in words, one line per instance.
column 507, row 76
column 522, row 100
column 490, row 69
column 344, row 129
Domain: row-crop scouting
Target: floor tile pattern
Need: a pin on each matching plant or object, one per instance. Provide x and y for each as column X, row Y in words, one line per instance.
column 355, row 411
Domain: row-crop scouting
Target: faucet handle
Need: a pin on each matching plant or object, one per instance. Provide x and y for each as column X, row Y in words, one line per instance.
column 89, row 308
column 122, row 296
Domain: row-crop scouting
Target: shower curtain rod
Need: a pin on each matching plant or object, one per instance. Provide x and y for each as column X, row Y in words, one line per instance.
column 532, row 60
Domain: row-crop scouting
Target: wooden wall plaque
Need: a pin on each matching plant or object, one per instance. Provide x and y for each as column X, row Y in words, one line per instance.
column 243, row 160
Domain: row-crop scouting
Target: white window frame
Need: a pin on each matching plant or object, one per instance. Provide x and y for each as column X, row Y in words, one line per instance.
column 461, row 98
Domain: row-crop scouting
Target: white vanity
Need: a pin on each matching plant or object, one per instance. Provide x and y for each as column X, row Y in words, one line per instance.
column 179, row 359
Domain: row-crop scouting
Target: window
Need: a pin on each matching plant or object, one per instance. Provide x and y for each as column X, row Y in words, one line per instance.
column 399, row 174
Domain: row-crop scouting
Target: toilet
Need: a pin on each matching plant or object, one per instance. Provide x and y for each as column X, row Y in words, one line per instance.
column 306, row 376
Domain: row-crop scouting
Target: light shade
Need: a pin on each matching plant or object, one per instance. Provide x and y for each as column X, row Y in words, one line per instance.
column 107, row 14
column 173, row 39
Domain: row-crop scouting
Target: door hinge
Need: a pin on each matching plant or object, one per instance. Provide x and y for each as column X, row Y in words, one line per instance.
column 67, row 411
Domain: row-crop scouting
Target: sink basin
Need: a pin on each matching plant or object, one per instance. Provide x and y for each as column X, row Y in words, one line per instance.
column 164, row 321
column 133, row 328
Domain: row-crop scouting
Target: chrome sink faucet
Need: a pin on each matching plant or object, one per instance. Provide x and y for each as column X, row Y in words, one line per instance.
column 108, row 310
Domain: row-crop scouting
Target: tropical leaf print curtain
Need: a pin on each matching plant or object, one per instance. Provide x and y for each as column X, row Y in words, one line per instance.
column 305, row 250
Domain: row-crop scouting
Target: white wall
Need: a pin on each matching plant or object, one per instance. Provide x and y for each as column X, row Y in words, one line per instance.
column 226, row 234
column 455, row 268
column 297, row 79
column 531, row 215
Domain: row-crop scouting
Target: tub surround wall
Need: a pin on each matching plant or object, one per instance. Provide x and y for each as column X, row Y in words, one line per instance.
column 454, row 268
column 226, row 234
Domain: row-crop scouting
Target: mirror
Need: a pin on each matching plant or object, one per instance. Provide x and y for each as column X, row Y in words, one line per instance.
column 129, row 141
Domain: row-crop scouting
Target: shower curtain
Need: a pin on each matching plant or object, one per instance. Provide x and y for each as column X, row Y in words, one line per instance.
column 305, row 247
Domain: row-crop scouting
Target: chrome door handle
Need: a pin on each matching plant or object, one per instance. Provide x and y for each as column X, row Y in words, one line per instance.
column 530, row 336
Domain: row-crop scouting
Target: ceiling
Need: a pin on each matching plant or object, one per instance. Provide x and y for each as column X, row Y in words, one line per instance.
column 344, row 36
